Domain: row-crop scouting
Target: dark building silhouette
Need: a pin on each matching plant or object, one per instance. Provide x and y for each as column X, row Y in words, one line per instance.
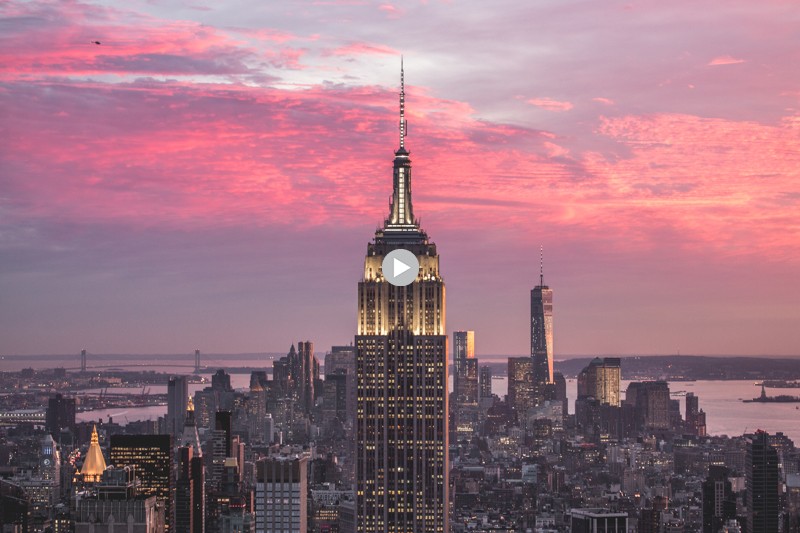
column 60, row 415
column 485, row 382
column 177, row 402
column 221, row 444
column 719, row 501
column 309, row 374
column 190, row 490
column 560, row 391
column 695, row 417
column 14, row 507
column 763, row 483
column 650, row 401
column 151, row 458
column 401, row 346
column 221, row 381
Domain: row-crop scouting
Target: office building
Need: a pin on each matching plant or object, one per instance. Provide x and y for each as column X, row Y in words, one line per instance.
column 309, row 375
column 151, row 458
column 116, row 506
column 600, row 380
column 485, row 382
column 521, row 387
column 281, row 499
column 177, row 399
column 463, row 351
column 542, row 332
column 401, row 346
column 190, row 490
column 343, row 359
column 719, row 501
column 763, row 485
column 695, row 417
column 60, row 415
column 650, row 402
column 597, row 520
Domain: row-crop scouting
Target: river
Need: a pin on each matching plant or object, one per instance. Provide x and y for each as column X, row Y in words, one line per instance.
column 725, row 413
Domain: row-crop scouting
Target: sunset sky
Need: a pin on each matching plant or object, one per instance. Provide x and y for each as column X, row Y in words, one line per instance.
column 210, row 174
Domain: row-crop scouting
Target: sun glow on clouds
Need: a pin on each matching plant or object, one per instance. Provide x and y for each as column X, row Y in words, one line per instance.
column 176, row 125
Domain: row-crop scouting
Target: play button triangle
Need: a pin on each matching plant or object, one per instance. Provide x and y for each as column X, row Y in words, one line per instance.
column 398, row 267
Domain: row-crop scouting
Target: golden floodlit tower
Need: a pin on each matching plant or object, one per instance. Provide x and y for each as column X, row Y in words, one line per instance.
column 402, row 466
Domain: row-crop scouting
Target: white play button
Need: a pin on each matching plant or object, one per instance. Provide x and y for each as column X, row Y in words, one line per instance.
column 400, row 267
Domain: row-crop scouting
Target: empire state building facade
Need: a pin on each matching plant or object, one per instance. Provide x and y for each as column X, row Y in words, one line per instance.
column 402, row 464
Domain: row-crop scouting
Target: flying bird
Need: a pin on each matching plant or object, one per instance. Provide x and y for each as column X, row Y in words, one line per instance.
column 96, row 42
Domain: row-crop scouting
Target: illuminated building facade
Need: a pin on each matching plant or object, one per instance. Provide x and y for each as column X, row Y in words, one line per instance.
column 401, row 359
column 521, row 389
column 600, row 380
column 150, row 456
column 464, row 356
column 94, row 464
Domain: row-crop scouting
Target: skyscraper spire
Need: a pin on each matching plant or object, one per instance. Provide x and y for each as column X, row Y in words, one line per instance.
column 401, row 213
column 403, row 123
column 541, row 265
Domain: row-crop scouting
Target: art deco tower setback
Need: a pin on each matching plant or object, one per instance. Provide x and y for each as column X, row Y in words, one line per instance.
column 542, row 332
column 401, row 358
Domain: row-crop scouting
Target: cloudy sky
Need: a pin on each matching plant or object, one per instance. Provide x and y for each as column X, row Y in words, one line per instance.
column 209, row 175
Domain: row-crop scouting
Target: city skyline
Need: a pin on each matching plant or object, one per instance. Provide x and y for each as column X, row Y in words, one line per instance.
column 204, row 177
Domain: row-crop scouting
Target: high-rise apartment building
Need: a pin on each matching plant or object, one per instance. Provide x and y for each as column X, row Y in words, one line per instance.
column 401, row 357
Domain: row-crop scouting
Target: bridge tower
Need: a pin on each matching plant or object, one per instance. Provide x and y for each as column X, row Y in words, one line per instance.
column 197, row 361
column 83, row 360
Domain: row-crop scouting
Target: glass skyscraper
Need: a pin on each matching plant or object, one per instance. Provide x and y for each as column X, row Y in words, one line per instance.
column 542, row 332
column 401, row 359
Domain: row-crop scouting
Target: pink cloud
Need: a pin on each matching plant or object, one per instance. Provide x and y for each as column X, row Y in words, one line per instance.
column 725, row 60
column 551, row 104
column 601, row 100
column 361, row 48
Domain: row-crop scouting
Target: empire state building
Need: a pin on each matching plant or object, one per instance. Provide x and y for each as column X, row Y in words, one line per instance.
column 402, row 465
